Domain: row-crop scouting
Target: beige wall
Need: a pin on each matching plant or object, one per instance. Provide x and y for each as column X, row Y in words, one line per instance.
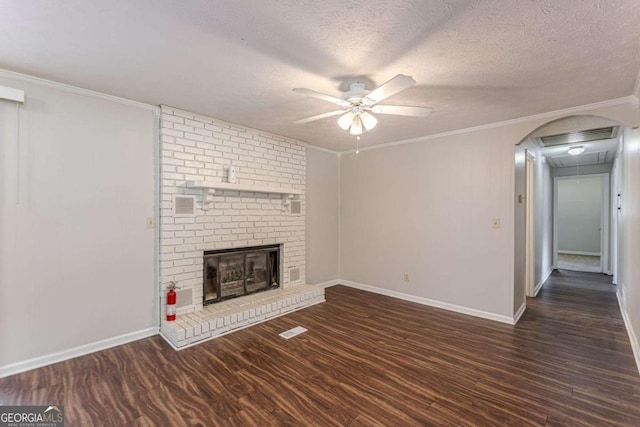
column 426, row 208
column 76, row 257
column 322, row 216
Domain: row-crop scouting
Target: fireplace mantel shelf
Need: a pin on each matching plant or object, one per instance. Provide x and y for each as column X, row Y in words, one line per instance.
column 209, row 186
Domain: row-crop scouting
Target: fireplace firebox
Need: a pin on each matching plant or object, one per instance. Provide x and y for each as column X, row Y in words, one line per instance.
column 231, row 273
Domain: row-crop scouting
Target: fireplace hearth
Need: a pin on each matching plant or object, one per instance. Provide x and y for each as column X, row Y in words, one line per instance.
column 231, row 273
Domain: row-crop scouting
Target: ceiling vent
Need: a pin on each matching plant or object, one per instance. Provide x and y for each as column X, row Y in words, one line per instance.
column 579, row 136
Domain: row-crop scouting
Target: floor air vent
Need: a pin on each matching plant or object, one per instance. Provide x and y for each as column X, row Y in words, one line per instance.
column 293, row 332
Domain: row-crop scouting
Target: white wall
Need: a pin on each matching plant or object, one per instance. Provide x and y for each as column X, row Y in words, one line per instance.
column 76, row 258
column 323, row 212
column 580, row 214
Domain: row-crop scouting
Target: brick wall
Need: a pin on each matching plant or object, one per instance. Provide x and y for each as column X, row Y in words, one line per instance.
column 195, row 147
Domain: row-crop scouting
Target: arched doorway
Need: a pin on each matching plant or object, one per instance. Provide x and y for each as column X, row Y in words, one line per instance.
column 540, row 158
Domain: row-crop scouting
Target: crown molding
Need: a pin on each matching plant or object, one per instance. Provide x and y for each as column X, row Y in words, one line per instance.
column 633, row 100
column 73, row 89
column 324, row 150
column 636, row 88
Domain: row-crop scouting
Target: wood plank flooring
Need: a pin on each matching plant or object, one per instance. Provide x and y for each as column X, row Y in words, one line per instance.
column 368, row 360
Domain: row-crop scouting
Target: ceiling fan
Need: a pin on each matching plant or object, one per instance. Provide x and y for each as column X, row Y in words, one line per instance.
column 358, row 103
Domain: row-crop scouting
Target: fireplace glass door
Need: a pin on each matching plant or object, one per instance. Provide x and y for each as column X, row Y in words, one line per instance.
column 256, row 268
column 232, row 273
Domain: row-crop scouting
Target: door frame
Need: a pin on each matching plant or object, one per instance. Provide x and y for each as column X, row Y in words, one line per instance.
column 530, row 223
column 614, row 209
column 604, row 219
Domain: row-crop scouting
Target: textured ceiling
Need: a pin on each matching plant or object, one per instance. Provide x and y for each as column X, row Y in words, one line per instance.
column 475, row 62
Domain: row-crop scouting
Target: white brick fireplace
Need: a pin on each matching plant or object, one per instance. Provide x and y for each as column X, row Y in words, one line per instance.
column 196, row 149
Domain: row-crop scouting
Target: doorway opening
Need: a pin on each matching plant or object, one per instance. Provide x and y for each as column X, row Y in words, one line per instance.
column 552, row 233
column 581, row 223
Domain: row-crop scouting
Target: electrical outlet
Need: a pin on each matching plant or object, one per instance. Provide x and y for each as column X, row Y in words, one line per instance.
column 495, row 222
column 406, row 277
column 150, row 222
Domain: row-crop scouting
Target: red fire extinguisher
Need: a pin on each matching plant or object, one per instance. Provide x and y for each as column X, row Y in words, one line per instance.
column 171, row 302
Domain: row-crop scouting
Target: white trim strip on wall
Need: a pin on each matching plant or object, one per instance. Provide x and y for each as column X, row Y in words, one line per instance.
column 551, row 114
column 636, row 88
column 11, row 94
column 578, row 253
column 329, row 283
column 431, row 303
column 157, row 203
column 542, row 280
column 633, row 338
column 519, row 313
column 324, row 150
column 73, row 89
column 61, row 356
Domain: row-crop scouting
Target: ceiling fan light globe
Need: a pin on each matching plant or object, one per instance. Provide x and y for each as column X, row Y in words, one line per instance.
column 368, row 121
column 356, row 127
column 345, row 120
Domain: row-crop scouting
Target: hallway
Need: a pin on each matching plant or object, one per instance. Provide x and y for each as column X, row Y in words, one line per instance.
column 578, row 329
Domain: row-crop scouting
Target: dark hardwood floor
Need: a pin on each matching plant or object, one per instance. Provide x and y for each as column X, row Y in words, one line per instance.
column 368, row 360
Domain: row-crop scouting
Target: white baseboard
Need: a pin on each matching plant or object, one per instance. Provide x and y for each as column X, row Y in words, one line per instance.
column 579, row 253
column 542, row 280
column 519, row 313
column 430, row 302
column 635, row 346
column 584, row 269
column 60, row 356
column 329, row 283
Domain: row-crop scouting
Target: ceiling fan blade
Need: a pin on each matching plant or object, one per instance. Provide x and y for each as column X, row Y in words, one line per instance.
column 320, row 116
column 399, row 110
column 393, row 86
column 322, row 96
